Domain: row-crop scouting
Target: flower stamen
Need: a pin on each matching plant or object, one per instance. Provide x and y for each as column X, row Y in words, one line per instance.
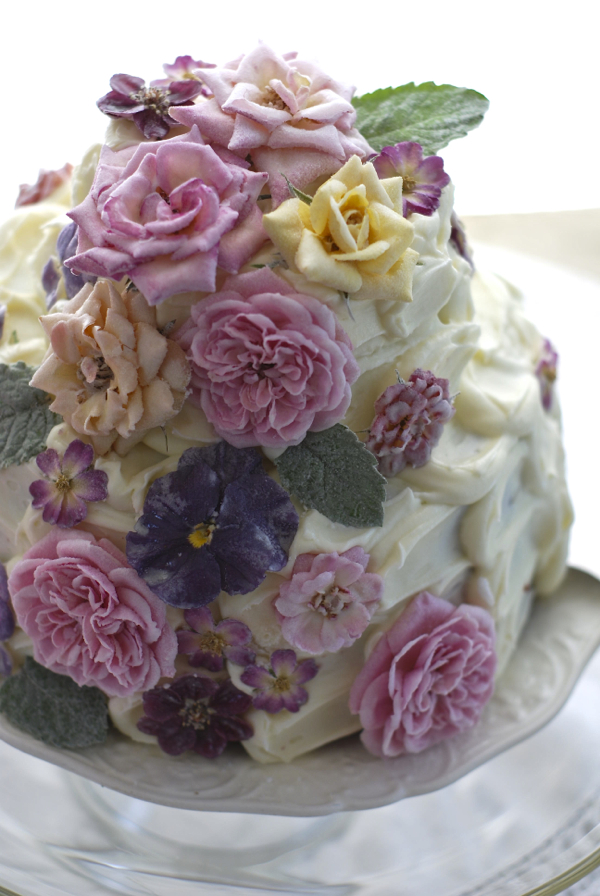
column 201, row 534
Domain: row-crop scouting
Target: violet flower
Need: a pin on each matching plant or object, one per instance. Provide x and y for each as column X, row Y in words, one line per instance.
column 7, row 623
column 148, row 107
column 196, row 713
column 546, row 371
column 184, row 69
column 219, row 522
column 66, row 247
column 209, row 645
column 458, row 238
column 279, row 686
column 409, row 422
column 68, row 484
column 423, row 179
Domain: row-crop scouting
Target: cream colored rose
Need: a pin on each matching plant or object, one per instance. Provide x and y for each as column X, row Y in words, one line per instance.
column 352, row 237
column 113, row 374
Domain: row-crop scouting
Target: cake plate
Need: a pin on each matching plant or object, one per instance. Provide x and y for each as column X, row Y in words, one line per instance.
column 524, row 822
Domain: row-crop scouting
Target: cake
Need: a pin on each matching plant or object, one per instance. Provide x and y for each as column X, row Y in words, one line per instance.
column 279, row 464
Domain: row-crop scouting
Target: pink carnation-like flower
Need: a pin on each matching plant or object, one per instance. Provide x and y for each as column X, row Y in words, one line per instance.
column 286, row 113
column 268, row 364
column 329, row 600
column 90, row 615
column 428, row 677
column 166, row 214
column 409, row 422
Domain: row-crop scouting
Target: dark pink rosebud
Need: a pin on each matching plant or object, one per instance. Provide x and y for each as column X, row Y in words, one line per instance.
column 423, row 179
column 409, row 422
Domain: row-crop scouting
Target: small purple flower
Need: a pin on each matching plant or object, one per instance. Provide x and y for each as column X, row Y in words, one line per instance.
column 546, row 372
column 458, row 238
column 409, row 422
column 279, row 686
column 184, row 69
column 208, row 645
column 423, row 179
column 218, row 523
column 148, row 107
column 66, row 247
column 68, row 484
column 196, row 713
column 7, row 623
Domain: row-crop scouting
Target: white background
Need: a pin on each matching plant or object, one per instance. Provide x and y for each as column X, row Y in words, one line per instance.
column 536, row 61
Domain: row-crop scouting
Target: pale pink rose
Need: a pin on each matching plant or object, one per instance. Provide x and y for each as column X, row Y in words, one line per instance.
column 90, row 616
column 428, row 677
column 329, row 600
column 268, row 364
column 290, row 116
column 167, row 213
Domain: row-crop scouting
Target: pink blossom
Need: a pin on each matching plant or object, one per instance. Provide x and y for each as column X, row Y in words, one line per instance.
column 428, row 677
column 268, row 364
column 47, row 183
column 286, row 113
column 166, row 214
column 329, row 600
column 90, row 616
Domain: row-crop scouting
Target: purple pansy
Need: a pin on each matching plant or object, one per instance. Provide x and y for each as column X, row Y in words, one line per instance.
column 66, row 247
column 184, row 69
column 7, row 623
column 409, row 422
column 458, row 238
column 196, row 713
column 68, row 485
column 280, row 686
column 423, row 179
column 218, row 523
column 546, row 372
column 209, row 645
column 149, row 106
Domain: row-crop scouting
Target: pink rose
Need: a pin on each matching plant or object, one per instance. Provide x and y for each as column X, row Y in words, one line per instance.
column 90, row 616
column 287, row 113
column 329, row 600
column 268, row 364
column 428, row 677
column 166, row 214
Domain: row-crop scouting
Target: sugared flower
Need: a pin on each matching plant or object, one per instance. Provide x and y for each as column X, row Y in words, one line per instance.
column 423, row 179
column 147, row 107
column 458, row 238
column 68, row 485
column 352, row 237
column 268, row 364
column 7, row 623
column 428, row 677
column 546, row 371
column 218, row 523
column 196, row 713
column 287, row 114
column 47, row 183
column 90, row 615
column 410, row 421
column 167, row 214
column 280, row 686
column 329, row 600
column 113, row 374
column 185, row 68
column 66, row 247
column 209, row 644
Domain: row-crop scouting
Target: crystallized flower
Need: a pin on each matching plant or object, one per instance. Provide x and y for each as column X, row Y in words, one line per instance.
column 458, row 238
column 288, row 115
column 422, row 179
column 167, row 215
column 184, row 69
column 428, row 677
column 329, row 600
column 112, row 373
column 409, row 422
column 90, row 615
column 218, row 523
column 352, row 237
column 268, row 364
column 196, row 713
column 66, row 247
column 47, row 183
column 148, row 107
column 546, row 373
column 68, row 485
column 280, row 686
column 208, row 645
column 7, row 623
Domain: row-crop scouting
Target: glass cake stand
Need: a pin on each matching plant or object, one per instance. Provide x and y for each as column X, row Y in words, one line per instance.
column 524, row 822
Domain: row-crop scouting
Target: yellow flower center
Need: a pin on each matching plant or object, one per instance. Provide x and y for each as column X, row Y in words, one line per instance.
column 212, row 641
column 408, row 184
column 280, row 685
column 63, row 483
column 201, row 534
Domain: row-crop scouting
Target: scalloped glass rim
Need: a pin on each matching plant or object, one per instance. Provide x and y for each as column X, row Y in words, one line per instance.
column 559, row 639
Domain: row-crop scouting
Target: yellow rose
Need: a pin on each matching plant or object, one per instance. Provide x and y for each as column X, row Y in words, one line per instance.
column 352, row 237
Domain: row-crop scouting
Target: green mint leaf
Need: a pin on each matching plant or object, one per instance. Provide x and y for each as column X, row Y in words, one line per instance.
column 298, row 194
column 25, row 417
column 429, row 114
column 333, row 472
column 53, row 708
